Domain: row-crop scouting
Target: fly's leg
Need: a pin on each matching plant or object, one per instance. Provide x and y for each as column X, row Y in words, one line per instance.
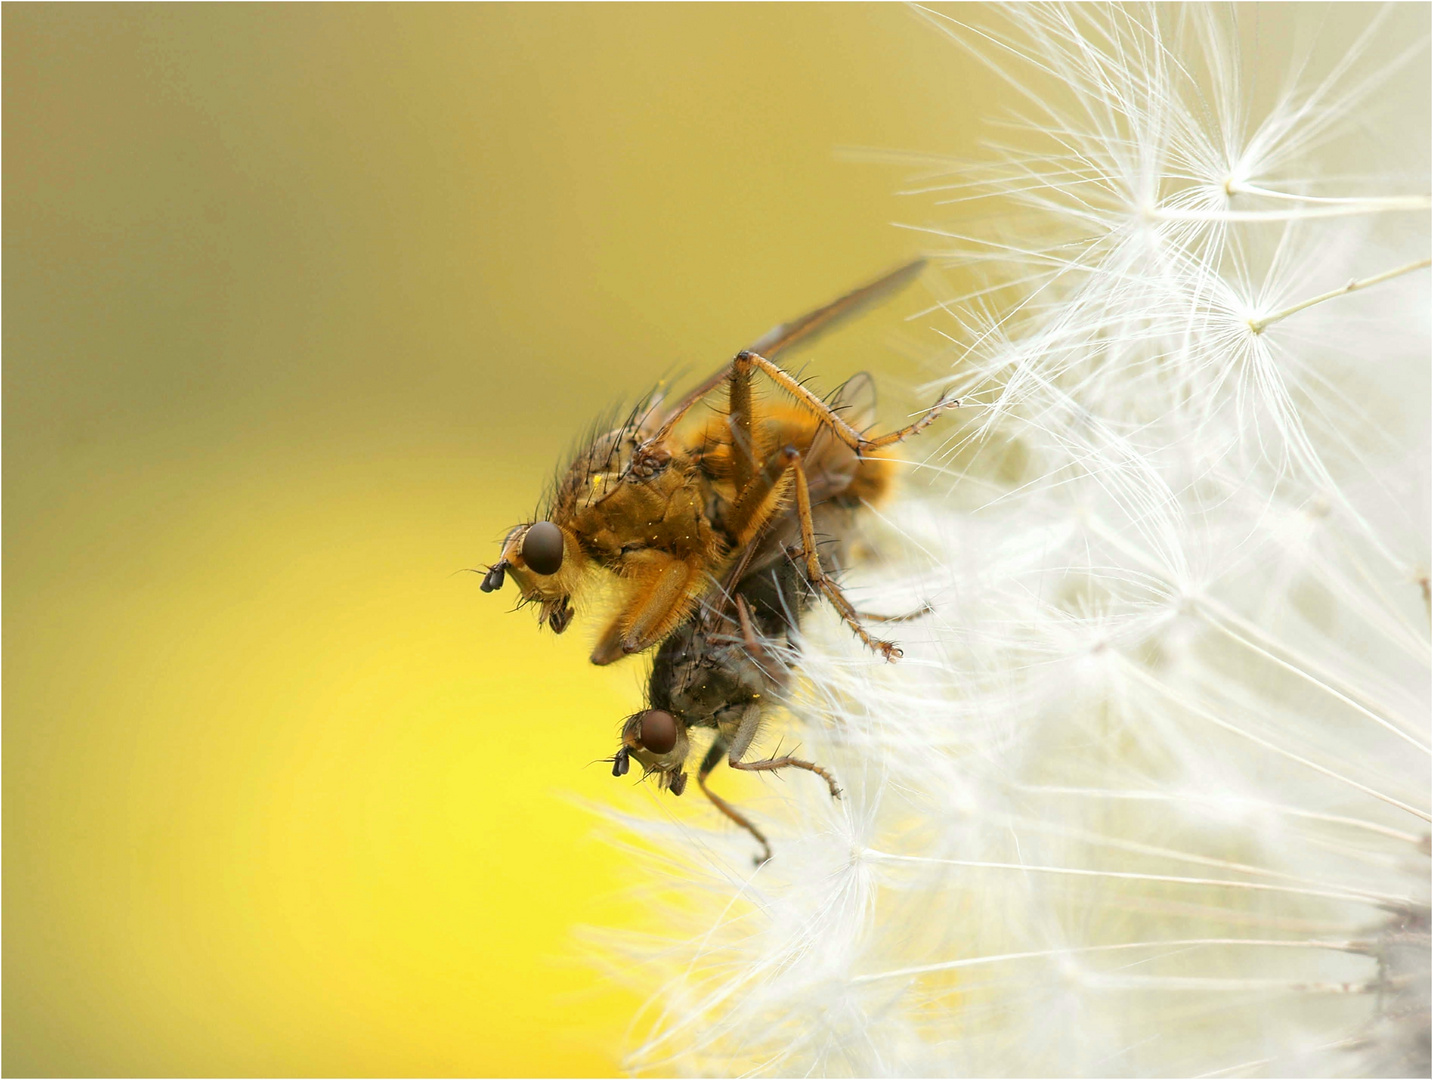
column 746, row 361
column 737, row 375
column 758, row 505
column 662, row 598
column 747, row 731
column 734, row 752
column 789, row 762
column 818, row 577
column 759, row 499
column 710, row 762
column 743, row 449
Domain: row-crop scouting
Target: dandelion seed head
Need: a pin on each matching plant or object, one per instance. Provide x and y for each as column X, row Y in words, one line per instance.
column 1148, row 793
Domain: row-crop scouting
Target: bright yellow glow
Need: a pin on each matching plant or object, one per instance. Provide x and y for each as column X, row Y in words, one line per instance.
column 303, row 305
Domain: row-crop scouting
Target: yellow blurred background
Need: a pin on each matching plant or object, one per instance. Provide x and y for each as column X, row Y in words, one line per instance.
column 302, row 304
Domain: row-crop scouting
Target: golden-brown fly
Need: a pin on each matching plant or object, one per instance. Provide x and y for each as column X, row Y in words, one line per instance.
column 668, row 508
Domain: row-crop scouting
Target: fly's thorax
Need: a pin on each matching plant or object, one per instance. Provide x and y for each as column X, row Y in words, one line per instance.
column 667, row 513
column 625, row 456
column 607, row 455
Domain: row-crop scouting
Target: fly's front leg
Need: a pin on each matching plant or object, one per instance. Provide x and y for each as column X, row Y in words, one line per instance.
column 710, row 762
column 818, row 577
column 661, row 598
column 746, row 361
column 744, row 735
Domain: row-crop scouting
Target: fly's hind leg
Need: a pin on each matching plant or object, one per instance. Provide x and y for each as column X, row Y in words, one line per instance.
column 744, row 735
column 756, row 507
column 734, row 752
column 786, row 761
column 710, row 762
column 819, row 578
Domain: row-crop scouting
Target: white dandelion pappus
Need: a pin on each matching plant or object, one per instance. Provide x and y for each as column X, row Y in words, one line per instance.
column 1149, row 793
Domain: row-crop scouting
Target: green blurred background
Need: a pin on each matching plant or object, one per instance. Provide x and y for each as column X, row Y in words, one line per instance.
column 302, row 303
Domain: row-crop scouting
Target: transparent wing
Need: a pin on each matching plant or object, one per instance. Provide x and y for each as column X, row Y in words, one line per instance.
column 802, row 331
column 814, row 323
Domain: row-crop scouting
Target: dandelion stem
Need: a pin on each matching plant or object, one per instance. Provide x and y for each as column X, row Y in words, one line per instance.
column 1259, row 325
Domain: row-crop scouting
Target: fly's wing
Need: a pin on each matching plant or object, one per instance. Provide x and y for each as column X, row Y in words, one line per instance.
column 803, row 331
column 808, row 327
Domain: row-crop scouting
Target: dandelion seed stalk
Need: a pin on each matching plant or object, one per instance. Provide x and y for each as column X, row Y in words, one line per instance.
column 1261, row 324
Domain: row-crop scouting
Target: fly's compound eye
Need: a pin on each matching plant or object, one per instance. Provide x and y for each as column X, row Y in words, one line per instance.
column 542, row 548
column 657, row 731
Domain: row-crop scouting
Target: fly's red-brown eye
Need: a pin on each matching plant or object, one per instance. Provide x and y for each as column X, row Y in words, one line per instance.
column 542, row 548
column 658, row 731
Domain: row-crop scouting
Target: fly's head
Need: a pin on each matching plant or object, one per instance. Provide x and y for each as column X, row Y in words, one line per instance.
column 658, row 742
column 546, row 562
